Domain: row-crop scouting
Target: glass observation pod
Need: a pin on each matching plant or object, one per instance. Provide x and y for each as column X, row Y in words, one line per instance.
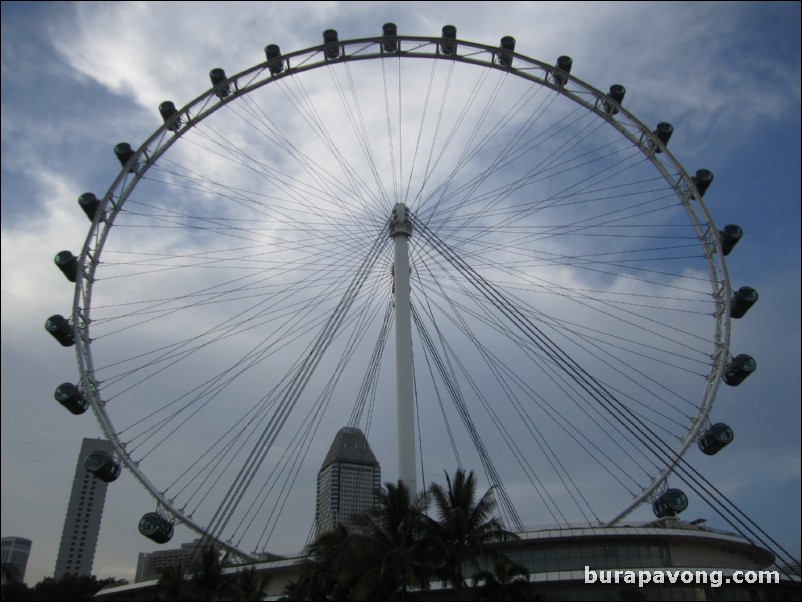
column 89, row 204
column 218, row 77
column 68, row 264
column 671, row 503
column 102, row 465
column 729, row 236
column 739, row 368
column 716, row 438
column 744, row 298
column 70, row 396
column 156, row 527
column 60, row 328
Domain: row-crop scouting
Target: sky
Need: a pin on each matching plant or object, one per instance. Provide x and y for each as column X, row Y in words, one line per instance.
column 77, row 78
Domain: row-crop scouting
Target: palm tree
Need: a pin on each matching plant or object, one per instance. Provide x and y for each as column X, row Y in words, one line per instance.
column 331, row 573
column 463, row 526
column 507, row 581
column 249, row 585
column 174, row 584
column 208, row 578
column 390, row 545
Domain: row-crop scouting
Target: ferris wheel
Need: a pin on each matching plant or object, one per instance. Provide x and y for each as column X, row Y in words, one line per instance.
column 568, row 305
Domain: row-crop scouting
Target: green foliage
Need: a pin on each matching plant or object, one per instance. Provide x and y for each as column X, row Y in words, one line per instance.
column 69, row 587
column 209, row 581
column 464, row 525
column 394, row 552
column 508, row 581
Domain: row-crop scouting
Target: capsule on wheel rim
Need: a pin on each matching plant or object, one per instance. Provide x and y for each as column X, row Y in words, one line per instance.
column 743, row 299
column 506, row 48
column 70, row 396
column 332, row 44
column 389, row 35
column 739, row 369
column 616, row 94
column 663, row 131
column 68, row 264
column 729, row 237
column 716, row 438
column 562, row 68
column 154, row 526
column 448, row 46
column 124, row 152
column 89, row 204
column 170, row 115
column 670, row 503
column 102, row 465
column 218, row 79
column 702, row 180
column 274, row 60
column 60, row 329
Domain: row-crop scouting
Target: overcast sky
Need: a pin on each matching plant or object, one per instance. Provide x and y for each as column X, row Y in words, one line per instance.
column 79, row 77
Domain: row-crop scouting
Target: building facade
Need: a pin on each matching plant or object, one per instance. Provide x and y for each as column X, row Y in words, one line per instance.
column 15, row 553
column 151, row 564
column 558, row 563
column 349, row 481
column 85, row 509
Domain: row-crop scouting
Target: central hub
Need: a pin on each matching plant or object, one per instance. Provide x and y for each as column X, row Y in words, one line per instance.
column 399, row 221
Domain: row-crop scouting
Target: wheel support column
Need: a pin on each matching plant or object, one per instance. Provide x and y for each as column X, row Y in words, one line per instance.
column 400, row 231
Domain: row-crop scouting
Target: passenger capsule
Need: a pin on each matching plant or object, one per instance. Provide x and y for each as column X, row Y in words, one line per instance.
column 90, row 204
column 60, row 328
column 332, row 44
column 68, row 264
column 744, row 298
column 102, row 465
column 671, row 503
column 218, row 77
column 274, row 61
column 70, row 396
column 714, row 439
column 389, row 37
column 124, row 152
column 663, row 133
column 506, row 48
column 739, row 368
column 702, row 180
column 170, row 115
column 562, row 69
column 616, row 93
column 156, row 527
column 447, row 44
column 729, row 237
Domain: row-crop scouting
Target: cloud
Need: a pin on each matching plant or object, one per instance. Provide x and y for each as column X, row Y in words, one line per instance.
column 120, row 61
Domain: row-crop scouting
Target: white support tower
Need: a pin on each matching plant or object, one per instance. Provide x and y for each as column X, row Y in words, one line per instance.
column 400, row 231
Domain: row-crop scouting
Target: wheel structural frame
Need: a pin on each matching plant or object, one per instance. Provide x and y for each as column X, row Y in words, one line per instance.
column 296, row 63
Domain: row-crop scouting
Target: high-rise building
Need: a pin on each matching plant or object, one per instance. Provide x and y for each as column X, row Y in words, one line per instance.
column 349, row 481
column 151, row 564
column 82, row 523
column 15, row 552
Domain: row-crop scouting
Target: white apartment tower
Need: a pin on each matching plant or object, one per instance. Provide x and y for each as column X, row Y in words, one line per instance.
column 82, row 523
column 349, row 481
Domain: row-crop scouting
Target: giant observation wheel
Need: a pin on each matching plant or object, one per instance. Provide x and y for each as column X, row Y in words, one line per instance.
column 570, row 304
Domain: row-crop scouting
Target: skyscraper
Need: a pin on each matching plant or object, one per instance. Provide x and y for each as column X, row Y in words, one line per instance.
column 349, row 481
column 15, row 552
column 82, row 523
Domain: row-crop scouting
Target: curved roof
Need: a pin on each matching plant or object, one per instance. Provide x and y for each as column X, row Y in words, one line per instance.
column 349, row 445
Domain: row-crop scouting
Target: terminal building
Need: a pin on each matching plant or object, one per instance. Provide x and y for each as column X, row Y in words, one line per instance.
column 556, row 561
